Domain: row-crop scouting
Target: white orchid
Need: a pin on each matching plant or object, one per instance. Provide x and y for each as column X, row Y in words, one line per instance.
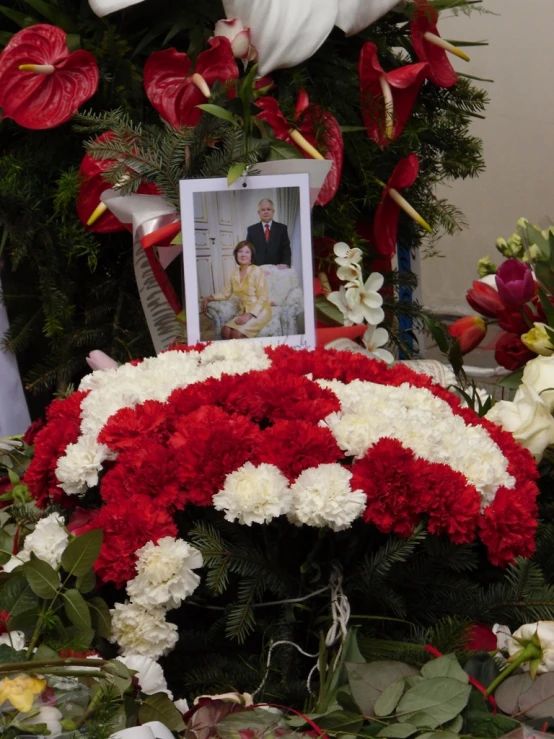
column 345, row 255
column 359, row 302
column 288, row 32
column 105, row 7
column 375, row 338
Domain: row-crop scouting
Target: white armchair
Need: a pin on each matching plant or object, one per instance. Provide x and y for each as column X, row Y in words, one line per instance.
column 287, row 307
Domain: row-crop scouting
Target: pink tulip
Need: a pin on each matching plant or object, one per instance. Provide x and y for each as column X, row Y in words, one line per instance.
column 239, row 36
column 515, row 283
column 97, row 360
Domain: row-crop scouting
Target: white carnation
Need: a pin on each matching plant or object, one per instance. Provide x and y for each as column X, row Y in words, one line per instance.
column 48, row 541
column 165, row 573
column 254, row 494
column 78, row 469
column 142, row 631
column 149, row 674
column 322, row 496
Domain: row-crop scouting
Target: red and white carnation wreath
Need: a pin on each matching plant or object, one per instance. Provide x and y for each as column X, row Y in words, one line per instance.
column 321, row 437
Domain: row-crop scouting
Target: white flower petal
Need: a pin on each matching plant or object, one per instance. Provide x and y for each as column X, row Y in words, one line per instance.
column 355, row 15
column 105, row 7
column 286, row 32
column 374, row 282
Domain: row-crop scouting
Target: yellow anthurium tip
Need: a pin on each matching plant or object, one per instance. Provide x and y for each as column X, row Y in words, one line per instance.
column 201, row 84
column 446, row 45
column 38, row 68
column 409, row 209
column 100, row 209
column 305, row 145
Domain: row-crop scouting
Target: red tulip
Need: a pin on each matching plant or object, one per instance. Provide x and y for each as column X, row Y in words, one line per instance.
column 312, row 127
column 387, row 98
column 89, row 206
column 470, row 331
column 515, row 283
column 385, row 225
column 511, row 352
column 485, row 299
column 175, row 90
column 42, row 84
column 430, row 47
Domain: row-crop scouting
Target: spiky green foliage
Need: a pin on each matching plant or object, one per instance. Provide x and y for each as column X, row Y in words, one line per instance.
column 69, row 291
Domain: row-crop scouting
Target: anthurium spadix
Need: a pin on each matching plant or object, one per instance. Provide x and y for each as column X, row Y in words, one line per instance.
column 105, row 7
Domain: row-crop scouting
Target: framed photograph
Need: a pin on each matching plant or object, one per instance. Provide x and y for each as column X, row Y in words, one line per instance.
column 247, row 260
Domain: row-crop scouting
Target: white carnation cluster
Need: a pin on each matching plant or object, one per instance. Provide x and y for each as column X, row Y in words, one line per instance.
column 47, row 542
column 128, row 385
column 321, row 496
column 420, row 421
column 165, row 578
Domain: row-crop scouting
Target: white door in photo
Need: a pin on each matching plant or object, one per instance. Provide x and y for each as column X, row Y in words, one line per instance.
column 217, row 232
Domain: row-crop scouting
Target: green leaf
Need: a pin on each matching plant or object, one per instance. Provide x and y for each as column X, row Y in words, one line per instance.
column 76, row 609
column 511, row 381
column 158, row 707
column 484, row 668
column 86, row 582
column 82, row 553
column 119, row 675
column 368, row 681
column 235, row 171
column 44, row 652
column 455, row 725
column 43, row 580
column 443, row 698
column 446, row 666
column 55, row 16
column 340, row 721
column 545, row 276
column 23, row 20
column 352, row 129
column 328, row 312
column 25, row 621
column 488, row 726
column 547, row 307
column 6, row 544
column 7, row 654
column 386, row 703
column 534, row 236
column 257, row 719
column 538, row 701
column 101, row 619
column 14, row 477
column 219, row 112
column 398, row 731
column 282, row 150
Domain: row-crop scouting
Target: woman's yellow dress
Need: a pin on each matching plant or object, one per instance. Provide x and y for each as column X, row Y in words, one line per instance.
column 253, row 296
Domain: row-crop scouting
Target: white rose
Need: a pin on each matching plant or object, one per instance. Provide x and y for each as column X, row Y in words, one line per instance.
column 527, row 418
column 544, row 631
column 539, row 375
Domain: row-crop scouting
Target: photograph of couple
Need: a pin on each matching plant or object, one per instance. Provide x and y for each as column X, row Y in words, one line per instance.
column 249, row 263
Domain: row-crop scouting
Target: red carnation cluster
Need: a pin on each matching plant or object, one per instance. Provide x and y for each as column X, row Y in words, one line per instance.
column 177, row 454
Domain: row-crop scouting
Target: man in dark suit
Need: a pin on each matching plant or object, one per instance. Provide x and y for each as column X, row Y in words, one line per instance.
column 270, row 239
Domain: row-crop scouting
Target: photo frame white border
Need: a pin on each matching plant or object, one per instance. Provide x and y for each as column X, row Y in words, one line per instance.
column 187, row 188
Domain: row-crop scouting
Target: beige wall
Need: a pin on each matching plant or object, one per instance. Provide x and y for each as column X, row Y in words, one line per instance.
column 518, row 137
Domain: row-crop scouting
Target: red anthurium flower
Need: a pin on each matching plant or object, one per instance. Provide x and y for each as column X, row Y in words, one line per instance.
column 515, row 282
column 387, row 98
column 92, row 187
column 485, row 299
column 175, row 89
column 430, row 47
column 385, row 224
column 313, row 128
column 42, row 84
column 470, row 331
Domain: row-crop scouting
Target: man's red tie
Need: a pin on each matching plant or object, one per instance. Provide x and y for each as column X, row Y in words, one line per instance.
column 267, row 231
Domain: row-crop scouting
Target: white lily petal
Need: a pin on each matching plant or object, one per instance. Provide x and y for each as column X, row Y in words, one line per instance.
column 349, row 272
column 383, row 354
column 355, row 15
column 372, row 315
column 337, row 299
column 286, row 32
column 375, row 337
column 105, row 7
column 371, row 299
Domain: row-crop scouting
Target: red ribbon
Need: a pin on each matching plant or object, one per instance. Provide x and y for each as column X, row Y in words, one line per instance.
column 472, row 680
column 156, row 238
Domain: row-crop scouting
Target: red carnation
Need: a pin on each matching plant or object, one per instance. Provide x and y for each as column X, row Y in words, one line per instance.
column 385, row 225
column 30, row 435
column 430, row 47
column 42, row 84
column 294, row 446
column 128, row 524
column 130, row 426
column 313, row 129
column 387, row 98
column 508, row 526
column 175, row 90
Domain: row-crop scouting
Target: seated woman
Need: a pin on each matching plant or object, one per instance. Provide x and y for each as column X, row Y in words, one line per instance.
column 248, row 283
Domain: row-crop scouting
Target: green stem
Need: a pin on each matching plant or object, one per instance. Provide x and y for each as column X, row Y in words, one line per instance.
column 36, row 632
column 39, row 664
column 94, row 704
column 528, row 653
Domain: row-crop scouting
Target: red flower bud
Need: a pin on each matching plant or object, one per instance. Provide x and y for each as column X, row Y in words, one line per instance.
column 485, row 299
column 515, row 283
column 470, row 331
